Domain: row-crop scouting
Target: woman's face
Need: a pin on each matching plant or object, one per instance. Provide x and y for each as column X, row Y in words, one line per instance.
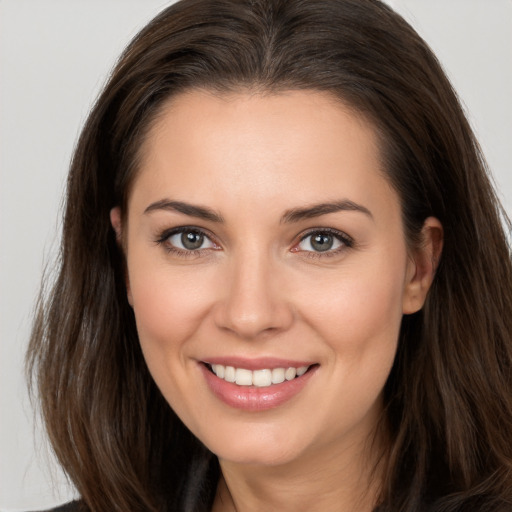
column 262, row 241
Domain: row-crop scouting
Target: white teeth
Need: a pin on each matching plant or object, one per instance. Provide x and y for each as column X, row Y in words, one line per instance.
column 218, row 369
column 302, row 370
column 243, row 377
column 277, row 375
column 259, row 378
column 262, row 378
column 229, row 374
column 290, row 373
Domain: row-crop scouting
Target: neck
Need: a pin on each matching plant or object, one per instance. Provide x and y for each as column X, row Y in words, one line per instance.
column 347, row 480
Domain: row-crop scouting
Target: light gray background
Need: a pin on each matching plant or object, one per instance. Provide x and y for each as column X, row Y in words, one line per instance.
column 54, row 57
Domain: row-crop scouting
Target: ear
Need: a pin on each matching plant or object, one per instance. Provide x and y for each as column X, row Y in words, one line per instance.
column 116, row 221
column 422, row 266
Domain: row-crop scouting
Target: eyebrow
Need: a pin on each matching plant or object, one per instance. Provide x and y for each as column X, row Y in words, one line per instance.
column 200, row 212
column 309, row 212
column 290, row 216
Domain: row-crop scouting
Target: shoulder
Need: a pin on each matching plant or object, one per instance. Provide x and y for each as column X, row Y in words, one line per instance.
column 74, row 506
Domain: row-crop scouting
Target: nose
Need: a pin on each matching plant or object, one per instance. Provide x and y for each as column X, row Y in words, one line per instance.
column 254, row 302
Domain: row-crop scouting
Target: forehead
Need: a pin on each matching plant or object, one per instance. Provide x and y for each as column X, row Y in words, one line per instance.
column 200, row 116
column 295, row 146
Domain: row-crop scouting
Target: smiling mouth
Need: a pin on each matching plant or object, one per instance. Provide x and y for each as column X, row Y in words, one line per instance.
column 259, row 378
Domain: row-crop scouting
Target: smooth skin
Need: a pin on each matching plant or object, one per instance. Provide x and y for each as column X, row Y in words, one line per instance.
column 257, row 283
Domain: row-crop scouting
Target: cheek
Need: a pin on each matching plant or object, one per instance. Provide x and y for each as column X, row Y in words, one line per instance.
column 169, row 304
column 358, row 318
column 357, row 314
column 356, row 305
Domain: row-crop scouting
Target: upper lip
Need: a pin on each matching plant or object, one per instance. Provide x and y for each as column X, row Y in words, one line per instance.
column 258, row 363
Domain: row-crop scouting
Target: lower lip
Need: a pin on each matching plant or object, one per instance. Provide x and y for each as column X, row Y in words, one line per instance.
column 252, row 398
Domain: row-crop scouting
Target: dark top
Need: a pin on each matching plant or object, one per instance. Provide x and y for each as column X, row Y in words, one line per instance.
column 74, row 506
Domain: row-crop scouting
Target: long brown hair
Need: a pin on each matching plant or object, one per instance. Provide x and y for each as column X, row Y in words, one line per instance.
column 449, row 395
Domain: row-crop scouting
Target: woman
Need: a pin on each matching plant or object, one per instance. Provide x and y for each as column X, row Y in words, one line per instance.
column 284, row 280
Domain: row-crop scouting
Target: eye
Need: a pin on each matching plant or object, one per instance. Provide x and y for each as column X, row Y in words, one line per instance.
column 186, row 241
column 324, row 241
column 190, row 240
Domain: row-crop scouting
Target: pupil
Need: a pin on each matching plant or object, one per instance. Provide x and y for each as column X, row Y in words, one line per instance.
column 192, row 240
column 322, row 242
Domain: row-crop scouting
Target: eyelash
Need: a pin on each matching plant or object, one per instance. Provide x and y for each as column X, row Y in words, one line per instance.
column 346, row 242
column 164, row 237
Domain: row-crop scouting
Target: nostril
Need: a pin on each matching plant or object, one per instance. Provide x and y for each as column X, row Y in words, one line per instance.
column 250, row 320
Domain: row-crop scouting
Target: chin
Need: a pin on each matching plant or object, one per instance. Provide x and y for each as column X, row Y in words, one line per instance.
column 267, row 446
column 256, row 456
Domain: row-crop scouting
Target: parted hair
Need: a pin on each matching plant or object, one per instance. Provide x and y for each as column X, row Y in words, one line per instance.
column 448, row 399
